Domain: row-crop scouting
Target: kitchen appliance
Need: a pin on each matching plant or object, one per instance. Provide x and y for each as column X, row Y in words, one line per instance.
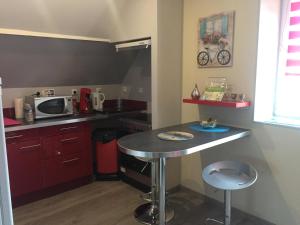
column 85, row 100
column 6, row 217
column 133, row 170
column 46, row 107
column 98, row 99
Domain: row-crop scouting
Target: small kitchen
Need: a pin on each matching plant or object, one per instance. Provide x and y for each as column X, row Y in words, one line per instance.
column 49, row 131
column 123, row 112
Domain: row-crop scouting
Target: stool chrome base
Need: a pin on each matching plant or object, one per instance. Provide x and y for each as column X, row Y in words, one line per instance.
column 149, row 214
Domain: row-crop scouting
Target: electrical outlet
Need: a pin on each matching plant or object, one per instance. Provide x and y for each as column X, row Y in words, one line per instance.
column 48, row 92
column 74, row 91
column 124, row 89
column 99, row 89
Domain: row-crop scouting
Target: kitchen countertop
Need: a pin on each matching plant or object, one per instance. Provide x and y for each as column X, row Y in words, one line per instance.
column 67, row 120
column 148, row 145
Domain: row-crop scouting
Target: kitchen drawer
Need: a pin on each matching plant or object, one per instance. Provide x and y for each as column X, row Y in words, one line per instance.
column 63, row 129
column 16, row 136
column 71, row 143
column 72, row 167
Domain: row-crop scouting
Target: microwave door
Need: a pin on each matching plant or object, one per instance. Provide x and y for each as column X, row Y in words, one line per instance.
column 66, row 105
column 50, row 107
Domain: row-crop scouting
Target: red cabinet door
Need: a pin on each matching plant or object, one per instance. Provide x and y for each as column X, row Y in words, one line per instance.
column 51, row 163
column 25, row 166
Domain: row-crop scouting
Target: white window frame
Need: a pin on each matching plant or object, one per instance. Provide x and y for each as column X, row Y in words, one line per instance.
column 269, row 36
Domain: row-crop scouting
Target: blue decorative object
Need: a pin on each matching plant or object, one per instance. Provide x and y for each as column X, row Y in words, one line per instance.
column 217, row 129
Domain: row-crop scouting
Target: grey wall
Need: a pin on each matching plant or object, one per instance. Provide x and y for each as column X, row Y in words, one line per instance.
column 41, row 62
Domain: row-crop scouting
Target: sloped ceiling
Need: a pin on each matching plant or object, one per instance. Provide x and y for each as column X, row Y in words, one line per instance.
column 89, row 18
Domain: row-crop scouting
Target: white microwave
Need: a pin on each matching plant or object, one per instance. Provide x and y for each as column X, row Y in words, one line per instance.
column 54, row 106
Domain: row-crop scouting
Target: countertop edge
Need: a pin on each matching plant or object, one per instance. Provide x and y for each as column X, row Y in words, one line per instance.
column 179, row 153
column 66, row 120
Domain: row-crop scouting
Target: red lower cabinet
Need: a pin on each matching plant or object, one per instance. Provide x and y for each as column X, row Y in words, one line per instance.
column 25, row 166
column 54, row 158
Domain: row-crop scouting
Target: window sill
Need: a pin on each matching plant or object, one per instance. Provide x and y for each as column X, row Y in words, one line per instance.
column 289, row 123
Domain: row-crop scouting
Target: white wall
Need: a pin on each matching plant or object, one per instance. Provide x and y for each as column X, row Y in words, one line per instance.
column 92, row 19
column 273, row 150
column 132, row 19
column 107, row 19
column 166, row 85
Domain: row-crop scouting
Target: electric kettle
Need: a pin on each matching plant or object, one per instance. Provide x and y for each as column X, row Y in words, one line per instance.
column 97, row 100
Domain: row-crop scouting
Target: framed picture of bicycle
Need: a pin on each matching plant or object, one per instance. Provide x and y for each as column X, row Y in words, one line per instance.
column 215, row 42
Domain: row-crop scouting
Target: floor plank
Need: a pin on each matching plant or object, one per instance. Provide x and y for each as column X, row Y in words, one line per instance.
column 113, row 203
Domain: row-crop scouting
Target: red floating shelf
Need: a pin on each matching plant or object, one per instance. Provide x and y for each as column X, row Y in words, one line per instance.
column 217, row 103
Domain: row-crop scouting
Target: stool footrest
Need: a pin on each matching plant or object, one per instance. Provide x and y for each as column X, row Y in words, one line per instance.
column 212, row 220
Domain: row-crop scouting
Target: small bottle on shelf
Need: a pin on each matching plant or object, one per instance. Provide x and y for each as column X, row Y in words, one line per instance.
column 195, row 93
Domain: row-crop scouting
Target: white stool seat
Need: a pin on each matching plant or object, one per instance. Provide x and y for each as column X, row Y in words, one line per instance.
column 229, row 175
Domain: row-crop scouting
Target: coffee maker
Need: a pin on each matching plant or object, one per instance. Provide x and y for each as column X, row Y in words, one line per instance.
column 85, row 100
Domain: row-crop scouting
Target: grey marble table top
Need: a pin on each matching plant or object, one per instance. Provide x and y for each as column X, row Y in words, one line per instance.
column 148, row 145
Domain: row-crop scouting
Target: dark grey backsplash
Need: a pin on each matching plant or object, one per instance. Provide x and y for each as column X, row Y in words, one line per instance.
column 38, row 61
column 137, row 64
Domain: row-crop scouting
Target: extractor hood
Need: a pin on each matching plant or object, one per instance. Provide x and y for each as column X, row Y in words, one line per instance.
column 131, row 45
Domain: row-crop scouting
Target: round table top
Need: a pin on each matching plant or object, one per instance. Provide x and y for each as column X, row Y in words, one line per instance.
column 148, row 145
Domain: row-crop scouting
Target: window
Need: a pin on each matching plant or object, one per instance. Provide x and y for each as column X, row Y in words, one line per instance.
column 278, row 67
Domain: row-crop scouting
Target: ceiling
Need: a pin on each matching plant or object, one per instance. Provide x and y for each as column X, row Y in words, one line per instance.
column 89, row 18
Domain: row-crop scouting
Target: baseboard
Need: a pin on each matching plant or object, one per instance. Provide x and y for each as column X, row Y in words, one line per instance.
column 51, row 191
column 221, row 204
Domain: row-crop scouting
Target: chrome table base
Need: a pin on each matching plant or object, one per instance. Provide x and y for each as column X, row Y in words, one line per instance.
column 149, row 214
column 156, row 211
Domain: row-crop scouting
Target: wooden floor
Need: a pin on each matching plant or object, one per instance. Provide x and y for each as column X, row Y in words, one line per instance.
column 113, row 203
column 99, row 203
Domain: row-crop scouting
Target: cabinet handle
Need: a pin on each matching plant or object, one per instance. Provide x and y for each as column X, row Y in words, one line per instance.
column 68, row 128
column 16, row 136
column 69, row 139
column 29, row 148
column 71, row 160
column 58, row 153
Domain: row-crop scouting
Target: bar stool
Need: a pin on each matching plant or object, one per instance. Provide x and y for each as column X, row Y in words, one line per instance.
column 148, row 213
column 228, row 176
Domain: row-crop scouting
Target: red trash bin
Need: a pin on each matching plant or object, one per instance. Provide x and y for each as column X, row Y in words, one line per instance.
column 107, row 155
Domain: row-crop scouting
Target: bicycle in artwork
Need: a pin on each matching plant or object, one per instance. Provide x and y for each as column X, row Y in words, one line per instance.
column 215, row 42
